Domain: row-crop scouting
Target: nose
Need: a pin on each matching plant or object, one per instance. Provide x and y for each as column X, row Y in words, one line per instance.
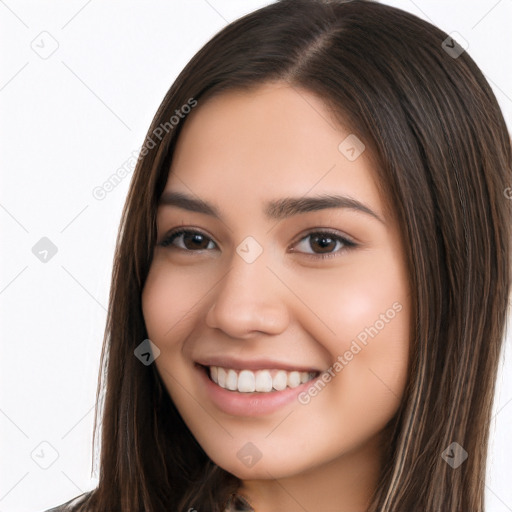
column 249, row 300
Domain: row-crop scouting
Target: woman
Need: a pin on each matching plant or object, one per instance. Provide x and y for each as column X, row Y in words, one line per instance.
column 311, row 278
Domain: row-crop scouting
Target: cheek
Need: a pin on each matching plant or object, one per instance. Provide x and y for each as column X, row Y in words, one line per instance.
column 167, row 304
column 375, row 369
column 363, row 320
column 349, row 300
column 168, row 301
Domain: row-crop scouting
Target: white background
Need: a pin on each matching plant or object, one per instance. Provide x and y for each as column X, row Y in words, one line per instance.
column 68, row 122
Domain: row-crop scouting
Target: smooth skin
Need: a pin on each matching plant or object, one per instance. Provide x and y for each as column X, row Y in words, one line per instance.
column 237, row 151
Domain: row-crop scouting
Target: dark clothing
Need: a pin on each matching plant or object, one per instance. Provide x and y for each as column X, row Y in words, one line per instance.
column 64, row 507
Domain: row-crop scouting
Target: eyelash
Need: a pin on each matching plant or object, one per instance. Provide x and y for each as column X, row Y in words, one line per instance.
column 347, row 244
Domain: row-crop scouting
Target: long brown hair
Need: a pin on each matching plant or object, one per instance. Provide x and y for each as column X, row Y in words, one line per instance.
column 441, row 147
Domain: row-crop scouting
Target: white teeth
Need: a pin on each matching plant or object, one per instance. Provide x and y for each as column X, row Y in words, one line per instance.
column 246, row 381
column 213, row 373
column 293, row 379
column 221, row 376
column 280, row 380
column 261, row 381
column 231, row 380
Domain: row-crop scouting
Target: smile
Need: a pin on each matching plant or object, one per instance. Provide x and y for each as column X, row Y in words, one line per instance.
column 261, row 381
column 252, row 392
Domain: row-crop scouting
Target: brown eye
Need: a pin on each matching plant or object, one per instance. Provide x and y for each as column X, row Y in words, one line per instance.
column 324, row 244
column 190, row 240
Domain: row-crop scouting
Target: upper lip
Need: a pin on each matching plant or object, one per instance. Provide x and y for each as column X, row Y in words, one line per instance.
column 253, row 364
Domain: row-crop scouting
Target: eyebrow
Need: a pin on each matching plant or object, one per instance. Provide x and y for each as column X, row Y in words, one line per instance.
column 277, row 209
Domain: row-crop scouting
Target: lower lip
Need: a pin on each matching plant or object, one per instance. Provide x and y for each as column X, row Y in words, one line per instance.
column 248, row 404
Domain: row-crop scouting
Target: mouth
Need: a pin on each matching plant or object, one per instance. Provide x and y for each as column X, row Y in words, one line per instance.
column 254, row 388
column 257, row 381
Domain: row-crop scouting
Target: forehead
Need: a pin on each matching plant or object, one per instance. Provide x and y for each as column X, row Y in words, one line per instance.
column 243, row 147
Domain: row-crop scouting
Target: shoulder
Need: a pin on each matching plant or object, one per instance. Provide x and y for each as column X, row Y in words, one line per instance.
column 68, row 505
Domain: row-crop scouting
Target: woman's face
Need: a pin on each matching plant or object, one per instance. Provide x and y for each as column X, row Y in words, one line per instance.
column 275, row 287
